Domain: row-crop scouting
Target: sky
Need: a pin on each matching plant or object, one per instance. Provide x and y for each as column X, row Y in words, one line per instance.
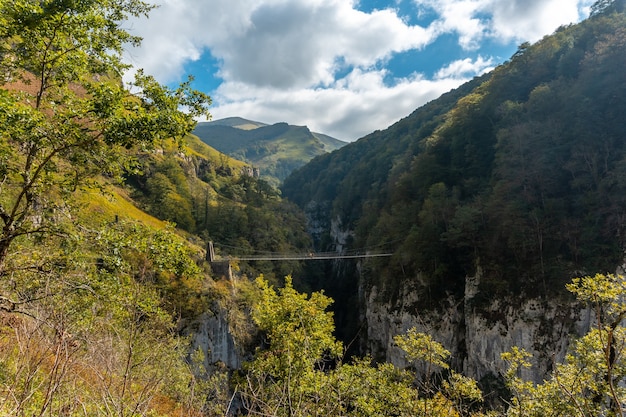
column 344, row 68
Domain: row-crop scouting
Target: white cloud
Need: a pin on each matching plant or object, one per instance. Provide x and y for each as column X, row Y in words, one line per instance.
column 505, row 20
column 322, row 62
column 460, row 17
column 351, row 108
column 293, row 44
column 464, row 68
column 271, row 42
column 530, row 20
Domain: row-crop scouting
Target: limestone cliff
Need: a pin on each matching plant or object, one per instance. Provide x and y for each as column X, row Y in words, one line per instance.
column 473, row 327
column 477, row 335
column 211, row 334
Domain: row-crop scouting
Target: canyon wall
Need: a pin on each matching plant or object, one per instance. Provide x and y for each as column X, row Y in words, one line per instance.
column 476, row 335
column 211, row 334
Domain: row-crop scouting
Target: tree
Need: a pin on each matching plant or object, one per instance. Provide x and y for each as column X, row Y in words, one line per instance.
column 606, row 6
column 590, row 381
column 64, row 113
column 300, row 371
column 455, row 394
column 282, row 376
column 167, row 203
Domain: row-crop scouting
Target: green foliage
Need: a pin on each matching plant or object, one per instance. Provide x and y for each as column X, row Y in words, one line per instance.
column 607, row 6
column 429, row 358
column 361, row 389
column 62, row 118
column 92, row 328
column 297, row 373
column 241, row 214
column 168, row 194
column 155, row 257
column 283, row 375
column 589, row 382
column 420, row 347
column 251, row 219
column 519, row 172
column 299, row 330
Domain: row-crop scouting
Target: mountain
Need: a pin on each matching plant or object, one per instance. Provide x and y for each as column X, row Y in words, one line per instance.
column 490, row 198
column 237, row 122
column 276, row 149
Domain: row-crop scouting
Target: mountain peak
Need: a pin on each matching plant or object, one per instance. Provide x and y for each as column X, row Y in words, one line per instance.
column 277, row 149
column 238, row 123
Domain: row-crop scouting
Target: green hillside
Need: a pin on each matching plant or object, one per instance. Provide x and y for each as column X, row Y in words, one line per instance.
column 276, row 149
column 330, row 143
column 106, row 207
column 107, row 203
column 521, row 173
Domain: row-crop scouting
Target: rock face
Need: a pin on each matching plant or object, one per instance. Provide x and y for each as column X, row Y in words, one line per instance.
column 475, row 331
column 211, row 334
column 476, row 335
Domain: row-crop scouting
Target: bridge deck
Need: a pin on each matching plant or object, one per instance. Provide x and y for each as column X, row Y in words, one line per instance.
column 303, row 257
column 273, row 256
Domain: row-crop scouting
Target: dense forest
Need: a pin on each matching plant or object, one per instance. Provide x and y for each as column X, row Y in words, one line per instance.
column 519, row 172
column 107, row 204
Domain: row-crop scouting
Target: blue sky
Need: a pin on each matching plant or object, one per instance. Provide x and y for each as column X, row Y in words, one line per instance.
column 341, row 67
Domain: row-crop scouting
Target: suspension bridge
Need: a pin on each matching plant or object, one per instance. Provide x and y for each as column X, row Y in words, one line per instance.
column 277, row 256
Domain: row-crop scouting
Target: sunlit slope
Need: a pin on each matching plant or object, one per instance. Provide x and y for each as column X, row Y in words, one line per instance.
column 110, row 201
column 276, row 149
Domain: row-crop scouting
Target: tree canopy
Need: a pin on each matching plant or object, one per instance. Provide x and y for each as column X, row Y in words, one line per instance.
column 65, row 113
column 518, row 172
column 83, row 321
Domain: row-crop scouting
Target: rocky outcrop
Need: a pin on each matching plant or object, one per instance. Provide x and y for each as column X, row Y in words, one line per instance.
column 317, row 215
column 211, row 334
column 477, row 334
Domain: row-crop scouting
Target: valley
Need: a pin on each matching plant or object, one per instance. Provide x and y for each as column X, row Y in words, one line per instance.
column 467, row 260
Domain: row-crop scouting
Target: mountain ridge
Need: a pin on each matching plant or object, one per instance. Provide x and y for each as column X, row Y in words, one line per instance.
column 276, row 149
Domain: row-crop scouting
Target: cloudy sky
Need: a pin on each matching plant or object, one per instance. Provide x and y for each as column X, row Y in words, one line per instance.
column 341, row 67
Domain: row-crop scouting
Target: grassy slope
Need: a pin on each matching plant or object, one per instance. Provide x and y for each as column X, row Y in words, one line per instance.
column 330, row 143
column 110, row 201
column 276, row 149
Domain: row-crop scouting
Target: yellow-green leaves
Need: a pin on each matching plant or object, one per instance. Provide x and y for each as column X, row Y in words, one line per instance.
column 299, row 329
column 455, row 395
column 605, row 291
column 590, row 381
column 422, row 347
column 599, row 288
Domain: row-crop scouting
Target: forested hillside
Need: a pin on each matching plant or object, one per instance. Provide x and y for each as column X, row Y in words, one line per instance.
column 216, row 198
column 107, row 203
column 520, row 173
